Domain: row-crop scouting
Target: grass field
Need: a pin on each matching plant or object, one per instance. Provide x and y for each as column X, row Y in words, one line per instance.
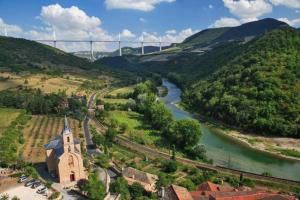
column 137, row 130
column 7, row 115
column 41, row 129
column 115, row 101
column 123, row 90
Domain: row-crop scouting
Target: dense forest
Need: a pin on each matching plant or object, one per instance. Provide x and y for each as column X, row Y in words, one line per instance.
column 258, row 90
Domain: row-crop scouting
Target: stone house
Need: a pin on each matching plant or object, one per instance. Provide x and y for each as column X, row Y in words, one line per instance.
column 147, row 180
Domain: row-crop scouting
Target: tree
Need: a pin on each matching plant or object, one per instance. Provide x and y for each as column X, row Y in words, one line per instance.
column 110, row 136
column 161, row 117
column 94, row 188
column 102, row 161
column 31, row 171
column 197, row 153
column 185, row 133
column 173, row 153
column 15, row 198
column 163, row 180
column 101, row 114
column 188, row 184
column 170, row 166
column 136, row 190
column 121, row 186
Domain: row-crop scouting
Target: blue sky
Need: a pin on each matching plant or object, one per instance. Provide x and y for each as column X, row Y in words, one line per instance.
column 171, row 20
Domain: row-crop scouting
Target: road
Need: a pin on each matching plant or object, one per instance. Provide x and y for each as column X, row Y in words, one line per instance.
column 88, row 137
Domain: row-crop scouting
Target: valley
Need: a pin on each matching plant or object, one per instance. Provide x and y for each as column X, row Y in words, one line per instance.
column 222, row 107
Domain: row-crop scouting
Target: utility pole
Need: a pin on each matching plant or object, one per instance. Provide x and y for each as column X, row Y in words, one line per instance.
column 120, row 49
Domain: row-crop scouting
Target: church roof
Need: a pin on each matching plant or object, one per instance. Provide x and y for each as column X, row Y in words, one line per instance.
column 53, row 144
column 57, row 143
column 66, row 129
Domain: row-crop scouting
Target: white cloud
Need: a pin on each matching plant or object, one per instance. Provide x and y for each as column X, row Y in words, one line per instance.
column 170, row 36
column 127, row 34
column 210, row 6
column 68, row 18
column 248, row 10
column 143, row 20
column 287, row 3
column 142, row 5
column 13, row 30
column 226, row 22
column 292, row 22
column 171, row 32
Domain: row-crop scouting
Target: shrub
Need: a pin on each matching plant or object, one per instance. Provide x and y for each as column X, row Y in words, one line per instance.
column 170, row 166
column 188, row 184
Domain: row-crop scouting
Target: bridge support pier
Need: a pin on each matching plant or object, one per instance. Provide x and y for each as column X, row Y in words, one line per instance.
column 92, row 51
column 142, row 45
column 120, row 49
column 54, row 43
column 160, row 47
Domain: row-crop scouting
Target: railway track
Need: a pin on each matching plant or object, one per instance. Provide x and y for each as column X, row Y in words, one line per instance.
column 155, row 153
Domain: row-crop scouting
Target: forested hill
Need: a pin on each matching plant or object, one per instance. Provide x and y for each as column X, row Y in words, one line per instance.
column 257, row 90
column 243, row 32
column 25, row 55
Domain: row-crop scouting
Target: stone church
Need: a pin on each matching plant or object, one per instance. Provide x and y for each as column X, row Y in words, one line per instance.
column 63, row 157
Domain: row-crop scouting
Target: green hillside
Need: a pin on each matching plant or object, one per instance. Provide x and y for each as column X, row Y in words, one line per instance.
column 204, row 37
column 258, row 90
column 25, row 55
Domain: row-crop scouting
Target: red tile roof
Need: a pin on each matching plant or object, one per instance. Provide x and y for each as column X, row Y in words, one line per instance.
column 208, row 186
column 181, row 193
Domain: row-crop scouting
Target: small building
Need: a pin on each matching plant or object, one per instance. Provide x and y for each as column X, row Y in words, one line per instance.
column 63, row 157
column 147, row 180
column 174, row 192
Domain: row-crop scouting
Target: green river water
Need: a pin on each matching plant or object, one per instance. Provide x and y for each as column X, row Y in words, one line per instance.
column 227, row 152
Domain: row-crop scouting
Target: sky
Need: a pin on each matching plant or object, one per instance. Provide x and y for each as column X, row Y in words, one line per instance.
column 152, row 20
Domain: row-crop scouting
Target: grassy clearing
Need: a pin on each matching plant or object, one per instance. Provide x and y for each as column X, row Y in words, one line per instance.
column 115, row 101
column 123, row 90
column 7, row 116
column 137, row 129
column 39, row 131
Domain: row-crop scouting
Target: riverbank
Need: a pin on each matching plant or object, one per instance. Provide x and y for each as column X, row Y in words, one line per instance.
column 284, row 147
column 279, row 146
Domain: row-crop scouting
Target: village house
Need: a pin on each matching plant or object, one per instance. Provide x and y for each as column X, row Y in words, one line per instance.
column 211, row 191
column 174, row 192
column 147, row 180
column 63, row 157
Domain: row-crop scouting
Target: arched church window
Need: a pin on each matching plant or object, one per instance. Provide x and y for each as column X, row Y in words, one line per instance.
column 68, row 139
column 71, row 161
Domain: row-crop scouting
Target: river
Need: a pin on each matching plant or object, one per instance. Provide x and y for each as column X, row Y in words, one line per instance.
column 227, row 152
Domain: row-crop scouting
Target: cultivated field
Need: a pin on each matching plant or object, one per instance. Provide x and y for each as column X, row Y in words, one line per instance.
column 48, row 84
column 41, row 129
column 7, row 115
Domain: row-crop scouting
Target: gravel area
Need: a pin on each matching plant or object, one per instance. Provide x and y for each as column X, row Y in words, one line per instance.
column 24, row 193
